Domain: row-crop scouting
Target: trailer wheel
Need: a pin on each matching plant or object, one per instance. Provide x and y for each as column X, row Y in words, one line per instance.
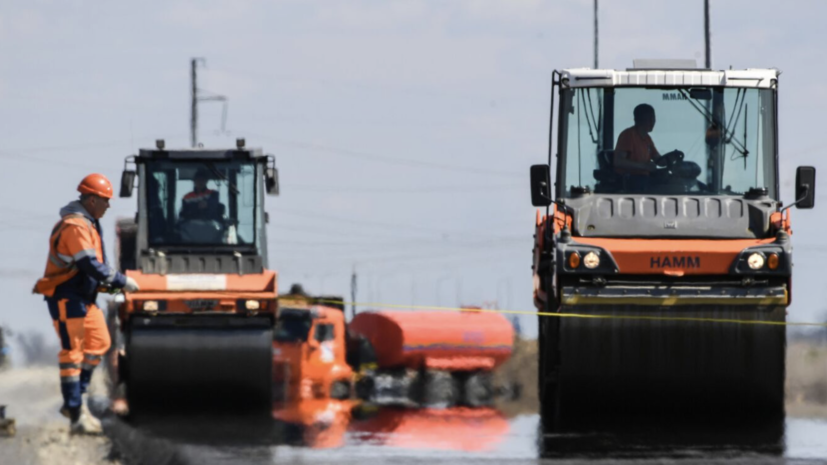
column 478, row 390
column 439, row 389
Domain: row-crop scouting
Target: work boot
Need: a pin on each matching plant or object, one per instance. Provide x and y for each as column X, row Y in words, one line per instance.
column 84, row 410
column 86, row 424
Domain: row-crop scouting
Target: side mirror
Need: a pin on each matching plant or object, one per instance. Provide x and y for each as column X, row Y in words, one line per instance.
column 271, row 180
column 540, row 186
column 805, row 187
column 127, row 183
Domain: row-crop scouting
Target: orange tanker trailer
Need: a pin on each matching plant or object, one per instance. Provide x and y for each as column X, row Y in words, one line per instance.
column 409, row 358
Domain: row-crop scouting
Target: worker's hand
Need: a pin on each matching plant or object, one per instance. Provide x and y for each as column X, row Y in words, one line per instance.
column 131, row 285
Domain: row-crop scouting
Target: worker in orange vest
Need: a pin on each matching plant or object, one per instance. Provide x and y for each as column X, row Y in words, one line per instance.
column 75, row 271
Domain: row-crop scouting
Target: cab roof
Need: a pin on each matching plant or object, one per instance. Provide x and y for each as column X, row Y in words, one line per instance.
column 196, row 154
column 672, row 73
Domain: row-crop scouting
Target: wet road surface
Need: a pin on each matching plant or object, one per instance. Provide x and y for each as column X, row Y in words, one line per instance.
column 339, row 432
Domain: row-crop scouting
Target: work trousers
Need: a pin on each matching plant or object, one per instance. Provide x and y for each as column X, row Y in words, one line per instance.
column 84, row 339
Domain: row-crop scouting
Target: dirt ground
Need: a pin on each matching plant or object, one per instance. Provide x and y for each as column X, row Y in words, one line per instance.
column 32, row 396
column 807, row 380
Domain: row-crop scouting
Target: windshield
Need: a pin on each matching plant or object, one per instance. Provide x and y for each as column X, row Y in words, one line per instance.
column 292, row 328
column 201, row 203
column 700, row 140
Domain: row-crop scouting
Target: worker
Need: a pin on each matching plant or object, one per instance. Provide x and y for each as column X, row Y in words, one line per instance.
column 202, row 203
column 635, row 153
column 75, row 271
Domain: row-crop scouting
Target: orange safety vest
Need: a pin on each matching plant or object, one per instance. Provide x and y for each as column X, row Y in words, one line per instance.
column 73, row 238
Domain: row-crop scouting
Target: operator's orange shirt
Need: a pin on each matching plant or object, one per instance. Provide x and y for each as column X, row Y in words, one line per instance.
column 640, row 148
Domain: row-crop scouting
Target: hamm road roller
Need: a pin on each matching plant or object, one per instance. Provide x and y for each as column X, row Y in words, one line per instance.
column 664, row 254
column 200, row 329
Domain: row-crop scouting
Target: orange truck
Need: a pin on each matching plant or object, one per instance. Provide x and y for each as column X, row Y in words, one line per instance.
column 393, row 357
column 201, row 327
column 663, row 232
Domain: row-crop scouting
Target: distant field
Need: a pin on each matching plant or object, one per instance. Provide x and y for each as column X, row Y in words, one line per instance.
column 806, row 379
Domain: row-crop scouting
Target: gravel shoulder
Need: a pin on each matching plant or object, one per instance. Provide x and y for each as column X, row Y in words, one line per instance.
column 32, row 396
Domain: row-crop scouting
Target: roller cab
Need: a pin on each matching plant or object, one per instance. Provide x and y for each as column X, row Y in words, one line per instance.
column 201, row 326
column 664, row 219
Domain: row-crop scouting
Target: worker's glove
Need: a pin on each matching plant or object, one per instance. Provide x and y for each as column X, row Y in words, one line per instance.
column 131, row 285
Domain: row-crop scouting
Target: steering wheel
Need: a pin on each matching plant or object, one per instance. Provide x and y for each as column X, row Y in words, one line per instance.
column 673, row 158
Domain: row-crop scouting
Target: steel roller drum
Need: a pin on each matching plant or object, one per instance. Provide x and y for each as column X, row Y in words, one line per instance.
column 616, row 370
column 202, row 363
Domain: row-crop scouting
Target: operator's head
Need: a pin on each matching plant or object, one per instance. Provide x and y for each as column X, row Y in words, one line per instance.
column 645, row 117
column 200, row 179
column 95, row 192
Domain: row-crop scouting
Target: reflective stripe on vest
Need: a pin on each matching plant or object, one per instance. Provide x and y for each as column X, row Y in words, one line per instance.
column 64, row 267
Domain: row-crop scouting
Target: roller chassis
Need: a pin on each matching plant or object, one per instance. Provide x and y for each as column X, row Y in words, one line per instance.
column 198, row 334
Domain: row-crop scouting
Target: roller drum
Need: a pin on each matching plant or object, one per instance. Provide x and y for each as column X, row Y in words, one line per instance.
column 210, row 364
column 619, row 370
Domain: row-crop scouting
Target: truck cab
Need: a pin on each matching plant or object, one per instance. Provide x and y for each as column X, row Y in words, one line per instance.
column 309, row 352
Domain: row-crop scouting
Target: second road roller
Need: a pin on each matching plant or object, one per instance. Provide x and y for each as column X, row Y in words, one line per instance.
column 663, row 260
column 200, row 330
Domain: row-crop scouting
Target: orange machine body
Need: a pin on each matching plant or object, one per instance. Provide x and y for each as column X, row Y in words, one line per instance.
column 635, row 256
column 191, row 293
column 463, row 341
column 665, row 257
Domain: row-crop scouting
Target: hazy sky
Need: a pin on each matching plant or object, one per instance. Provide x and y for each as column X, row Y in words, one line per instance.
column 403, row 130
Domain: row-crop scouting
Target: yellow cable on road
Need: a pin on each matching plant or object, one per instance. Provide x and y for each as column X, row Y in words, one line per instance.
column 380, row 306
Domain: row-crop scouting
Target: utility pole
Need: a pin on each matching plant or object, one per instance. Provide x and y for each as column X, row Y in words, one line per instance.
column 194, row 101
column 196, row 96
column 707, row 39
column 596, row 66
column 353, row 294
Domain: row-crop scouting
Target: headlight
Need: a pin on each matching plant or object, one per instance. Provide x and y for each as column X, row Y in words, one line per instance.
column 756, row 261
column 591, row 260
column 151, row 306
column 252, row 305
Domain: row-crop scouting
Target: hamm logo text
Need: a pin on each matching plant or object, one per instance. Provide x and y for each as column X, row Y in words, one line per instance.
column 675, row 262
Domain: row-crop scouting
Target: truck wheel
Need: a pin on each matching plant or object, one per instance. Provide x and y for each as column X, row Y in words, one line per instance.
column 340, row 390
column 478, row 390
column 365, row 388
column 439, row 389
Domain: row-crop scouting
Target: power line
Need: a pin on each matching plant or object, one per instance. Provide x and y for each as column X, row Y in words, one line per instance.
column 401, row 190
column 383, row 158
column 379, row 224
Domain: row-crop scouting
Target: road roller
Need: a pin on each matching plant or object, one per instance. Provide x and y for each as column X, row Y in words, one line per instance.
column 200, row 330
column 662, row 257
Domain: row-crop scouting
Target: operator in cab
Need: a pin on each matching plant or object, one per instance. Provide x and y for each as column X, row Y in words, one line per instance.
column 635, row 153
column 202, row 203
